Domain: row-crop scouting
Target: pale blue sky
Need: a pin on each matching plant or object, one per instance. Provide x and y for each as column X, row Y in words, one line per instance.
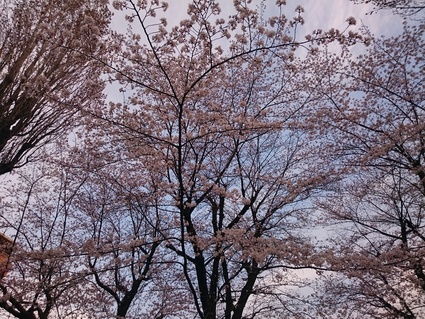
column 323, row 14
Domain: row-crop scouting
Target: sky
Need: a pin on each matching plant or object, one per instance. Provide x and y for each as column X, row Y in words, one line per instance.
column 327, row 14
column 323, row 14
column 319, row 14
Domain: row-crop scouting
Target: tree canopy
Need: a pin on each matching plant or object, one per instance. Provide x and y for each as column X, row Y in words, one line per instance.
column 201, row 168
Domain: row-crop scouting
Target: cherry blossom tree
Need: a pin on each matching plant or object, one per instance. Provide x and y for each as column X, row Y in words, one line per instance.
column 83, row 244
column 205, row 118
column 189, row 196
column 120, row 233
column 46, row 73
column 379, row 249
column 370, row 119
column 44, row 277
column 403, row 7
